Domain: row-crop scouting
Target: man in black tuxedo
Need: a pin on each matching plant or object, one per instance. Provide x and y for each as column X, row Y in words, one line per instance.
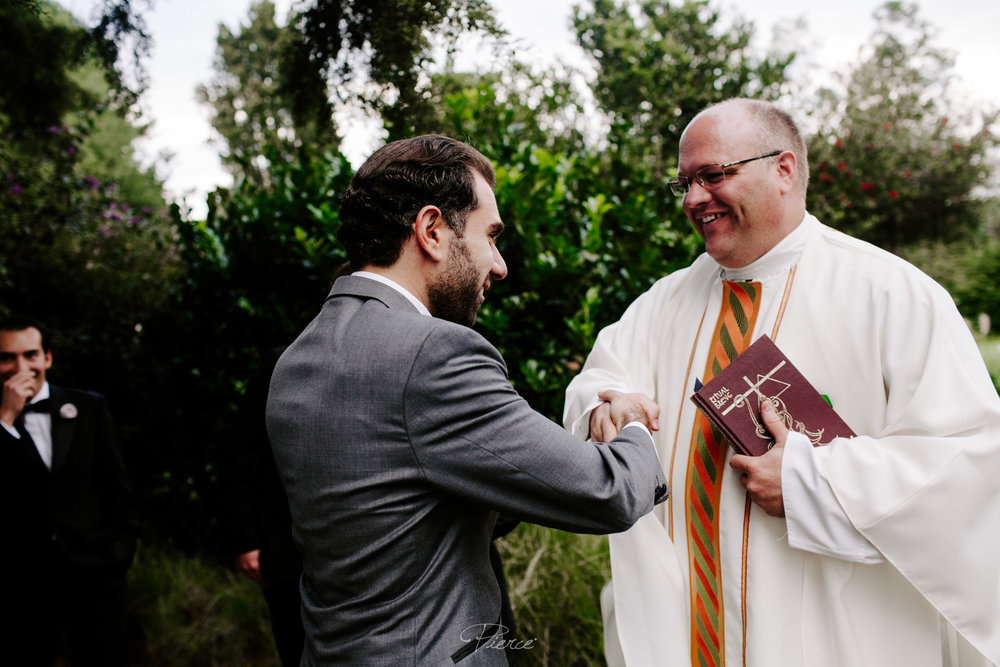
column 68, row 514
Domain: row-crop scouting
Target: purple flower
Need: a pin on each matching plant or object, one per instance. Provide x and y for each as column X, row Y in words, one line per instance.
column 104, row 231
column 15, row 189
column 92, row 182
column 71, row 150
column 55, row 129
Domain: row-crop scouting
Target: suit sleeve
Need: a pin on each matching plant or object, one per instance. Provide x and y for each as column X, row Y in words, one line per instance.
column 475, row 437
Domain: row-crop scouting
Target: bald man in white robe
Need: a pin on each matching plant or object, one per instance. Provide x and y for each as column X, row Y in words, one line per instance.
column 879, row 550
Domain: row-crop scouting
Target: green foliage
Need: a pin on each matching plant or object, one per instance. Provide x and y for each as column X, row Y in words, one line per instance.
column 387, row 43
column 257, row 271
column 39, row 52
column 970, row 271
column 255, row 104
column 894, row 162
column 506, row 109
column 658, row 64
column 52, row 217
column 578, row 251
column 186, row 611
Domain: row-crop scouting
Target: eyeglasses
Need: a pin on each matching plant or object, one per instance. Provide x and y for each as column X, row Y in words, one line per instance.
column 710, row 175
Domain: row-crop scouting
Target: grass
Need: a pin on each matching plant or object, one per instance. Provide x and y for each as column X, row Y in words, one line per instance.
column 555, row 580
column 190, row 611
column 186, row 610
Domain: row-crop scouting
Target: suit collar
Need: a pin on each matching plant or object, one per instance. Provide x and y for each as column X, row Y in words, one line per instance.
column 407, row 294
column 370, row 289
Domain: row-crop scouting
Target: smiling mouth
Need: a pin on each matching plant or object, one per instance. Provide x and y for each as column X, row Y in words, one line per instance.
column 706, row 219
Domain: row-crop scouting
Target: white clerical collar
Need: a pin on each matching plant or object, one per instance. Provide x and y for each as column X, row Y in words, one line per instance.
column 378, row 277
column 784, row 254
column 42, row 394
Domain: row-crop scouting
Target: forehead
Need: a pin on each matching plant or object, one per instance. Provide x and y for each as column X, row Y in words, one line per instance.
column 21, row 341
column 715, row 138
column 486, row 214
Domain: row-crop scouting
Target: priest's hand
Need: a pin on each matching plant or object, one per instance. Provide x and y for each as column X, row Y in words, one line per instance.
column 761, row 475
column 620, row 409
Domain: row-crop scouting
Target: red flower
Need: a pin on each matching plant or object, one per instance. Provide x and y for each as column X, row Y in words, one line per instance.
column 865, row 185
column 887, row 126
column 842, row 166
column 894, row 194
column 839, row 143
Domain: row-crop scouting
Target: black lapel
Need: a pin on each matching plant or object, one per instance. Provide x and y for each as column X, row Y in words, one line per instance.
column 63, row 423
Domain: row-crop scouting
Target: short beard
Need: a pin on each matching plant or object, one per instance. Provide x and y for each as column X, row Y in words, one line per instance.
column 454, row 295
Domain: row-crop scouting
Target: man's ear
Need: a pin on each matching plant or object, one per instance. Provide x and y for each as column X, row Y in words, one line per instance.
column 430, row 230
column 787, row 171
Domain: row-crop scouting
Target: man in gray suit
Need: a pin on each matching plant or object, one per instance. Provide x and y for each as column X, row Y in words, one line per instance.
column 399, row 438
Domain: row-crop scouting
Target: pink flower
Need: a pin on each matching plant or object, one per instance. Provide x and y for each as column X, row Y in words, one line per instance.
column 68, row 411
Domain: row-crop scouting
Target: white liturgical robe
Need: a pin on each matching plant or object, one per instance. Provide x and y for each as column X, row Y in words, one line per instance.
column 916, row 582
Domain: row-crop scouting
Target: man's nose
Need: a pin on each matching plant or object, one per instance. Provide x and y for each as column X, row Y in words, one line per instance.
column 499, row 271
column 696, row 193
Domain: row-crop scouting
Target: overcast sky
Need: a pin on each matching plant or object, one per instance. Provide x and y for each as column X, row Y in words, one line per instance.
column 184, row 33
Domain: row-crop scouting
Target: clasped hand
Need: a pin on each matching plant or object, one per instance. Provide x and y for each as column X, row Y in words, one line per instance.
column 759, row 475
column 620, row 409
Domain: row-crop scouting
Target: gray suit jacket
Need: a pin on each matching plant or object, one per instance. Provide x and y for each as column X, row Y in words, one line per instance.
column 398, row 438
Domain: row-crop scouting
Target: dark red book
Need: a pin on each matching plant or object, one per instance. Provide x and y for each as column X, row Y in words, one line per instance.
column 732, row 400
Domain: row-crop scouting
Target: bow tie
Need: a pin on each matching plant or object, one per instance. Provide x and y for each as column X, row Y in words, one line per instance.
column 37, row 406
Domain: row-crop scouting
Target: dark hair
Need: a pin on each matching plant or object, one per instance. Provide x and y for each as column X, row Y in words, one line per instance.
column 385, row 195
column 22, row 322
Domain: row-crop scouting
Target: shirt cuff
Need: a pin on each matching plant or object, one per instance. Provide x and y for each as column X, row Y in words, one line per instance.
column 813, row 516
